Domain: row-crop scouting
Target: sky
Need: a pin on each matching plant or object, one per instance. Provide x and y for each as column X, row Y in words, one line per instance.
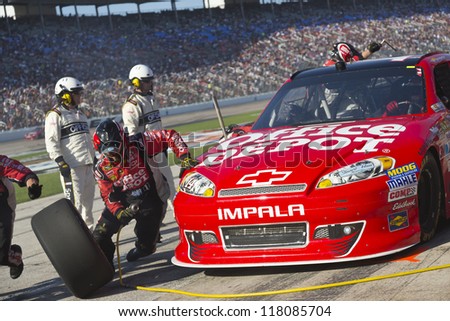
column 128, row 7
column 148, row 7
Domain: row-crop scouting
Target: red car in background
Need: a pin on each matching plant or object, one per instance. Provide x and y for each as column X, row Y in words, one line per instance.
column 346, row 162
column 36, row 133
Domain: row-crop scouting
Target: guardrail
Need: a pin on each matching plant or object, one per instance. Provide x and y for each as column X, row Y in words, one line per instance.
column 194, row 140
column 93, row 122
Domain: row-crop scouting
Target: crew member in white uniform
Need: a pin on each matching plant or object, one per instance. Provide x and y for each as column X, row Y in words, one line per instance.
column 69, row 144
column 141, row 112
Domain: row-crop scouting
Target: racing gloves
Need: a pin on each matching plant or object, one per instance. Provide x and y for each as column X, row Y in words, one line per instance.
column 64, row 168
column 374, row 46
column 116, row 195
column 125, row 215
column 391, row 107
column 186, row 163
column 34, row 191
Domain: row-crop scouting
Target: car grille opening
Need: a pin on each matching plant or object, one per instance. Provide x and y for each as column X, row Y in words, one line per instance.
column 262, row 190
column 264, row 236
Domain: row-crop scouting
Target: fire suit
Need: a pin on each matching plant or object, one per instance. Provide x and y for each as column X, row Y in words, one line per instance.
column 130, row 181
column 67, row 135
column 10, row 171
column 141, row 112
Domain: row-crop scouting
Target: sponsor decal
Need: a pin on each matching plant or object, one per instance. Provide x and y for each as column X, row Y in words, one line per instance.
column 264, row 177
column 403, row 204
column 74, row 129
column 114, row 174
column 419, row 71
column 430, row 138
column 446, row 149
column 136, row 179
column 398, row 221
column 243, row 213
column 402, row 181
column 140, row 191
column 321, row 138
column 402, row 193
column 150, row 118
column 402, row 170
column 78, row 127
column 437, row 59
column 402, row 176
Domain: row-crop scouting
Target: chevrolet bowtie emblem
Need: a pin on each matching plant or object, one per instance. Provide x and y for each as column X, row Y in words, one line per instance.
column 264, row 177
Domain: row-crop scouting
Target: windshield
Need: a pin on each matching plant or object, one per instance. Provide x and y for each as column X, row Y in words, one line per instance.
column 346, row 95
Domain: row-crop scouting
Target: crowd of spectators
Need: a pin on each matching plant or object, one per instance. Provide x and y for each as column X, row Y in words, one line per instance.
column 218, row 51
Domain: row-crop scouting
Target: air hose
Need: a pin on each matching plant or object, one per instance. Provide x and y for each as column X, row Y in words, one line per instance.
column 268, row 293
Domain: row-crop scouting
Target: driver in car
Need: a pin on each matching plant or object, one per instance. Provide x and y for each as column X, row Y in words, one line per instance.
column 407, row 99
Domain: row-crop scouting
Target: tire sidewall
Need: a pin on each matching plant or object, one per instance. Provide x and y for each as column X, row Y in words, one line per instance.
column 429, row 197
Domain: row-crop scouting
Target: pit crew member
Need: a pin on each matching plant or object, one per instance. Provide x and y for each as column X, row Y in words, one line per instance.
column 69, row 144
column 128, row 187
column 12, row 170
column 141, row 112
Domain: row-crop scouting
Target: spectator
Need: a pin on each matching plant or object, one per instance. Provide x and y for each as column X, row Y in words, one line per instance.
column 199, row 56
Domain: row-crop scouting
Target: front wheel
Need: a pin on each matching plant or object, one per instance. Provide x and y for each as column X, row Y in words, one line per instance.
column 429, row 196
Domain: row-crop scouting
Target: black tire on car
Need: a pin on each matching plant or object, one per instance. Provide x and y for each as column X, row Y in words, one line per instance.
column 71, row 248
column 429, row 197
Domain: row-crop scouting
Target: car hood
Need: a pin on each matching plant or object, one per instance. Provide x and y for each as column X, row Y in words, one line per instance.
column 284, row 155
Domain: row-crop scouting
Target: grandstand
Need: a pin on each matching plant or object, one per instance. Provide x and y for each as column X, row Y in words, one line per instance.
column 49, row 7
column 228, row 51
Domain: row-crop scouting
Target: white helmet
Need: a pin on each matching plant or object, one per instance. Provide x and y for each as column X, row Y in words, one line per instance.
column 68, row 85
column 140, row 72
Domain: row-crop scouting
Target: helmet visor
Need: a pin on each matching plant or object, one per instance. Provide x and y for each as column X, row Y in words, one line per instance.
column 113, row 151
column 147, row 80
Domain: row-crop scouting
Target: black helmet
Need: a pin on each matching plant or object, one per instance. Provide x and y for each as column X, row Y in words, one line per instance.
column 108, row 137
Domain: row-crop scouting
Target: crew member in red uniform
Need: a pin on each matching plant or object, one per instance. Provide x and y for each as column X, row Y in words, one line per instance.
column 12, row 170
column 127, row 185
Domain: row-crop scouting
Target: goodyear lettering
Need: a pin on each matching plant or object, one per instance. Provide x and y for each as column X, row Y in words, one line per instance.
column 321, row 138
column 260, row 212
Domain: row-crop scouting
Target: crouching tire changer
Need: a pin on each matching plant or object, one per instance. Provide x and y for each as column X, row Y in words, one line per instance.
column 129, row 187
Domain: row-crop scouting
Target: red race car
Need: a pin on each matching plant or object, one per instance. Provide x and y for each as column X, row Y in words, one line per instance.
column 36, row 133
column 346, row 162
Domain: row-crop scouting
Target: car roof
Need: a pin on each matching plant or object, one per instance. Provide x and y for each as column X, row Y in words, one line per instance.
column 410, row 60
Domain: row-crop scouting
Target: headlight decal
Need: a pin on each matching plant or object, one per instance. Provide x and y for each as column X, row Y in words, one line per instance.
column 198, row 185
column 365, row 169
column 402, row 182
